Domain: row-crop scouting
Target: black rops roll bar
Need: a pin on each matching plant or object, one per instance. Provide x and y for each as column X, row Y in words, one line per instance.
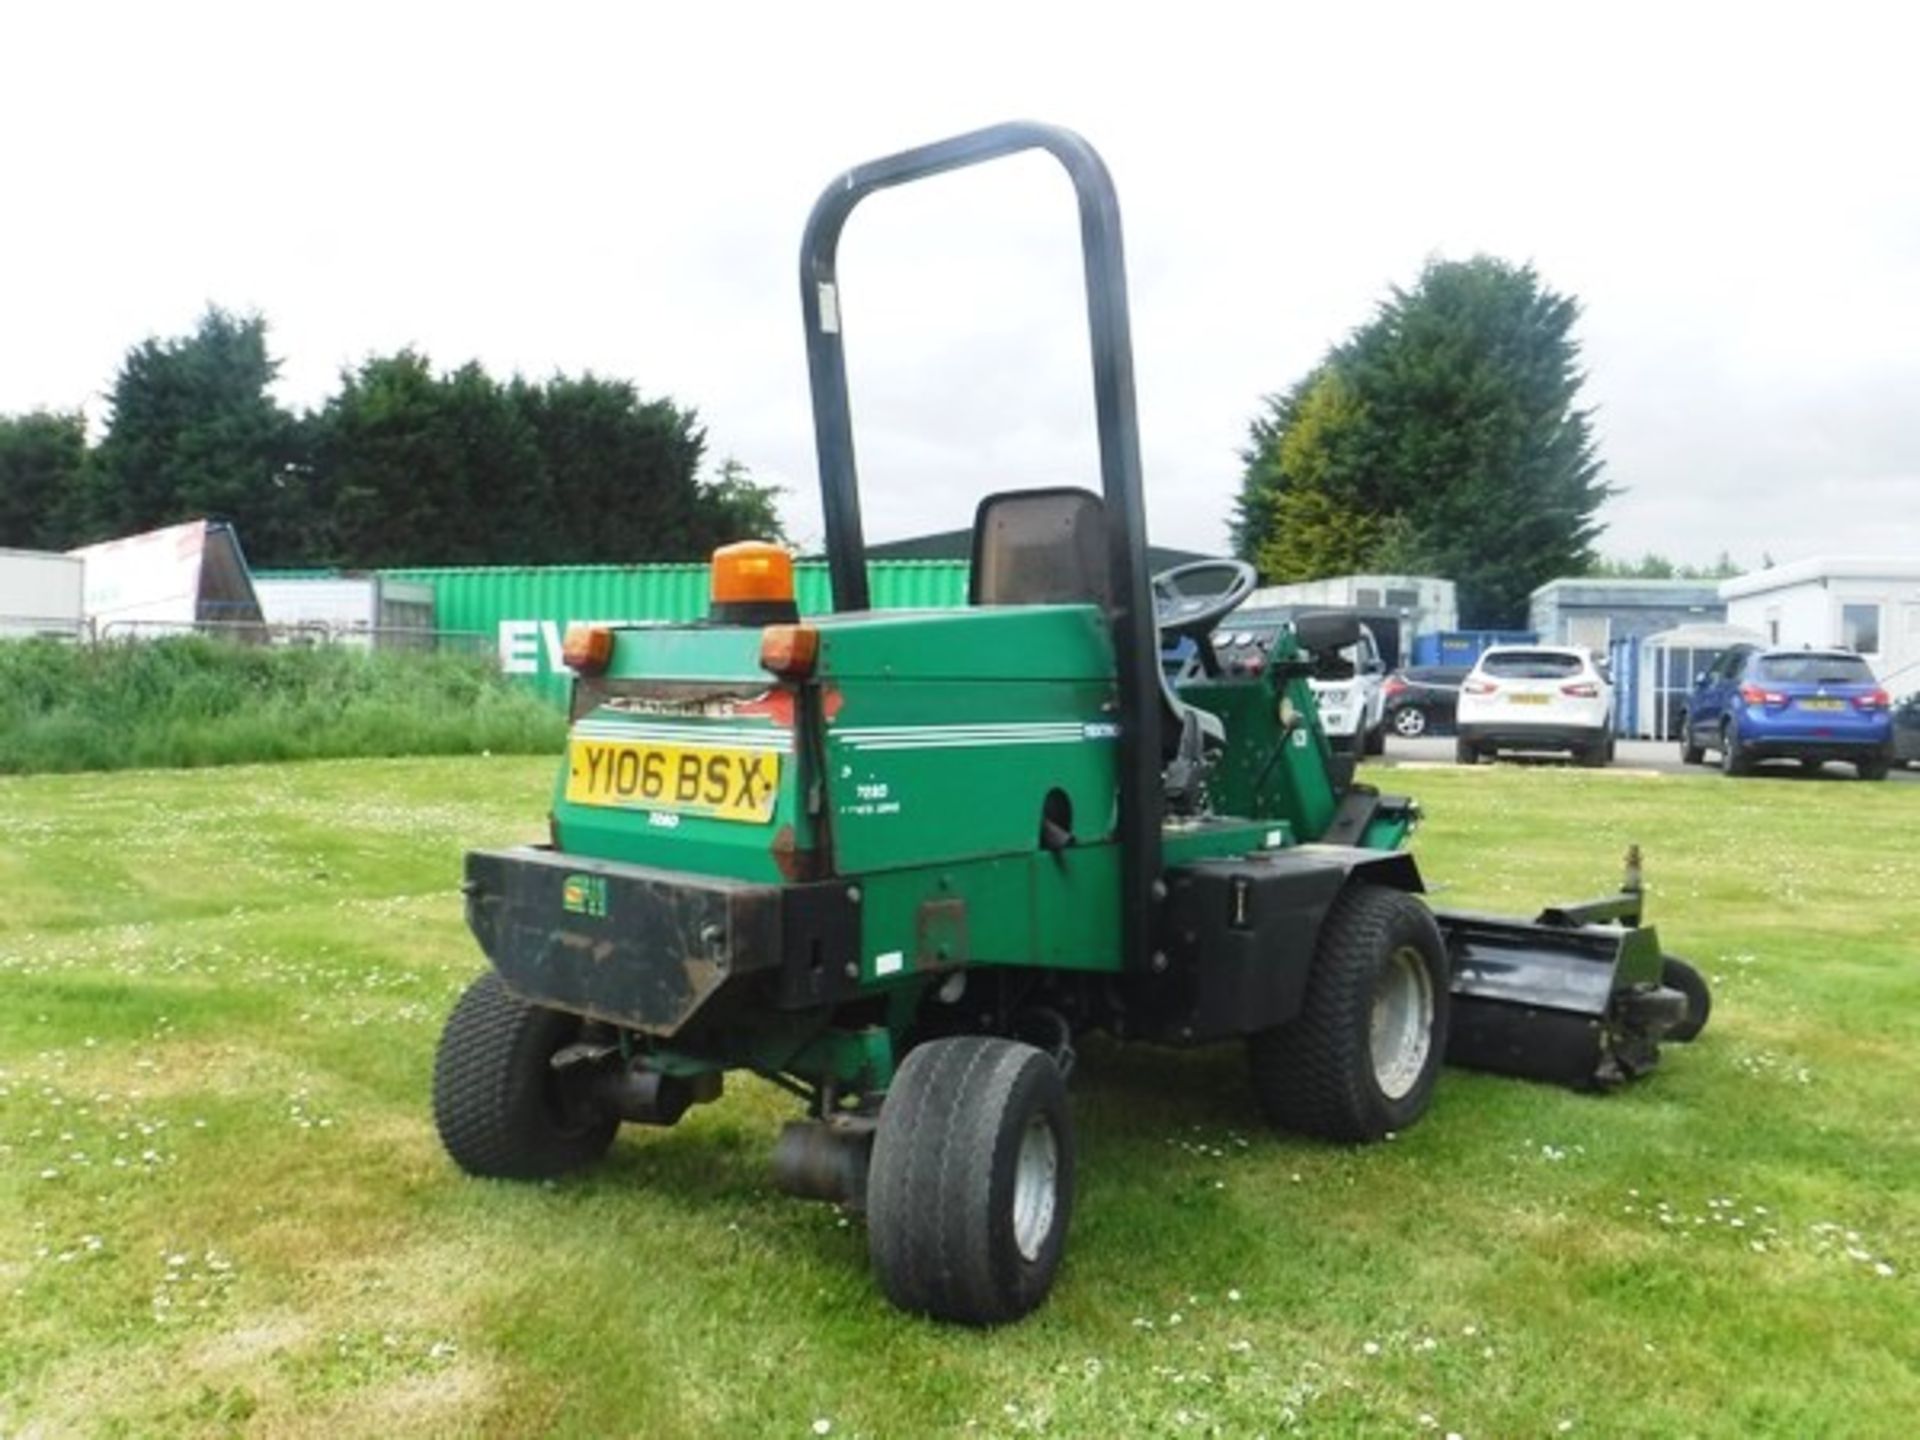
column 1135, row 643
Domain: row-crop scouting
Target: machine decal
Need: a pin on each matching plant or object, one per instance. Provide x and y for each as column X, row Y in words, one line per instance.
column 585, row 895
column 959, row 737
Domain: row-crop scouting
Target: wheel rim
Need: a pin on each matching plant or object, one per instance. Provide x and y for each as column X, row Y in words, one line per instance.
column 1036, row 1187
column 1402, row 1032
column 1409, row 721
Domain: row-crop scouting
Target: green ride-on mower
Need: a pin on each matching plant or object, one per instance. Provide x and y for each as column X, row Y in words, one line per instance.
column 900, row 863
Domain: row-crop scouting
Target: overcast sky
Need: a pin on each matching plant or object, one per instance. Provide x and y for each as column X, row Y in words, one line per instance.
column 1733, row 194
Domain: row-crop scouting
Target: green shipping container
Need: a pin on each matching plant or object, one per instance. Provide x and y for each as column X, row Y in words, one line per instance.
column 521, row 612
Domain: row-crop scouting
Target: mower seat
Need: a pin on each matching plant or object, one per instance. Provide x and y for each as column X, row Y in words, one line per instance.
column 1049, row 547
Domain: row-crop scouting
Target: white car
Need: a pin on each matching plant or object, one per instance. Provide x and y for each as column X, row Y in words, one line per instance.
column 1353, row 708
column 1535, row 697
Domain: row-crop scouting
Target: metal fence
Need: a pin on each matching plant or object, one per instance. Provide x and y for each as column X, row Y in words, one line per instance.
column 298, row 634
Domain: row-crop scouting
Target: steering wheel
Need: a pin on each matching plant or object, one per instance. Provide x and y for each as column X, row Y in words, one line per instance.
column 1185, row 605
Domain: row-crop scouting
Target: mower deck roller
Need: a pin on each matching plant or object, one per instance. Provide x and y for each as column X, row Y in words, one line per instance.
column 1555, row 999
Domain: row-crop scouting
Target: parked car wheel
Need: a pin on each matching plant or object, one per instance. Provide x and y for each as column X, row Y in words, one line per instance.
column 1733, row 755
column 1690, row 753
column 1465, row 752
column 1872, row 769
column 1410, row 722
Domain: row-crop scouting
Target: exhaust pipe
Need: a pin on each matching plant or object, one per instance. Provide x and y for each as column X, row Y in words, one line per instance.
column 646, row 1097
column 826, row 1159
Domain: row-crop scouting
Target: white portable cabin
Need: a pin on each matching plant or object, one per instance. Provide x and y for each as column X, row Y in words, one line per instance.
column 41, row 593
column 1425, row 604
column 1866, row 603
column 364, row 610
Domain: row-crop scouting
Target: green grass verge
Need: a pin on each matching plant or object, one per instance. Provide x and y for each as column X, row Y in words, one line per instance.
column 190, row 701
column 222, row 1208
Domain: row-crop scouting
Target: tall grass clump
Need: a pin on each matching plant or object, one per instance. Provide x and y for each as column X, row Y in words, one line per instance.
column 189, row 701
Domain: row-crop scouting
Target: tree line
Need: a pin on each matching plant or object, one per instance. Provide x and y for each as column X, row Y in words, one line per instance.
column 402, row 465
column 1443, row 437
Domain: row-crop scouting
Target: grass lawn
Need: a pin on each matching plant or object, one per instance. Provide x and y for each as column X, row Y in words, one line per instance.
column 222, row 1206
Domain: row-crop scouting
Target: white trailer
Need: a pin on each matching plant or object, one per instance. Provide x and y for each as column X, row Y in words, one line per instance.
column 181, row 578
column 1868, row 604
column 42, row 593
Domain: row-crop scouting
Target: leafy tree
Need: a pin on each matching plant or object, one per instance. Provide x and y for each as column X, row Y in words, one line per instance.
column 195, row 432
column 1442, row 437
column 744, row 508
column 43, row 456
column 621, row 473
column 418, row 469
column 1651, row 566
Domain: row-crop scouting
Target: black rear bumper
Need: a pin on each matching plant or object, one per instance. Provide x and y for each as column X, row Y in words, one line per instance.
column 1520, row 736
column 659, row 951
column 1818, row 750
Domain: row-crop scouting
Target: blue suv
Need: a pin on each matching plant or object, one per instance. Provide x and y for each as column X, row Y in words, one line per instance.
column 1807, row 705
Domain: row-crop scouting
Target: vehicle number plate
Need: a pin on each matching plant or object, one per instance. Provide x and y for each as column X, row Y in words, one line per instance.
column 1823, row 704
column 686, row 779
column 1530, row 699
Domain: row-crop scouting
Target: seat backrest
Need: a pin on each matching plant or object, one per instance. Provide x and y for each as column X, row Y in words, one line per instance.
column 1040, row 547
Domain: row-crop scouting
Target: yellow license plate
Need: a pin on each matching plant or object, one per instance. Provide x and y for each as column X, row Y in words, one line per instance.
column 1823, row 704
column 684, row 779
column 1530, row 699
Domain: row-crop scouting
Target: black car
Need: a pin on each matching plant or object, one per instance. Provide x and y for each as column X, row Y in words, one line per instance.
column 1421, row 698
column 1906, row 731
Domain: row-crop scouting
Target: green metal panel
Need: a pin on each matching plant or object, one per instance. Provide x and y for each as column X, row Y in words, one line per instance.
column 522, row 612
column 1058, row 910
column 947, row 731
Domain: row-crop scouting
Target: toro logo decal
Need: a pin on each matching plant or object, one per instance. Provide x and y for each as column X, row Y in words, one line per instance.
column 585, row 895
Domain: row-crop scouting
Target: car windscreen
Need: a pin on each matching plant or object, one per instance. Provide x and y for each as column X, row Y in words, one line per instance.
column 1815, row 670
column 1531, row 665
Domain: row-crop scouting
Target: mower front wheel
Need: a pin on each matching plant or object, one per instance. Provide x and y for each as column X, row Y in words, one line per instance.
column 1361, row 1059
column 970, row 1185
column 500, row 1107
column 1677, row 974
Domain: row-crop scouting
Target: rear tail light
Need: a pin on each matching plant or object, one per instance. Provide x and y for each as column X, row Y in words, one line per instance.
column 588, row 649
column 789, row 650
column 1479, row 687
column 1581, row 690
column 1754, row 695
column 1393, row 686
column 1873, row 700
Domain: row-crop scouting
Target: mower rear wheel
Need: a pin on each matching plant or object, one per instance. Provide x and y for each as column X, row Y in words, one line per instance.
column 1677, row 974
column 970, row 1185
column 1362, row 1057
column 500, row 1107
